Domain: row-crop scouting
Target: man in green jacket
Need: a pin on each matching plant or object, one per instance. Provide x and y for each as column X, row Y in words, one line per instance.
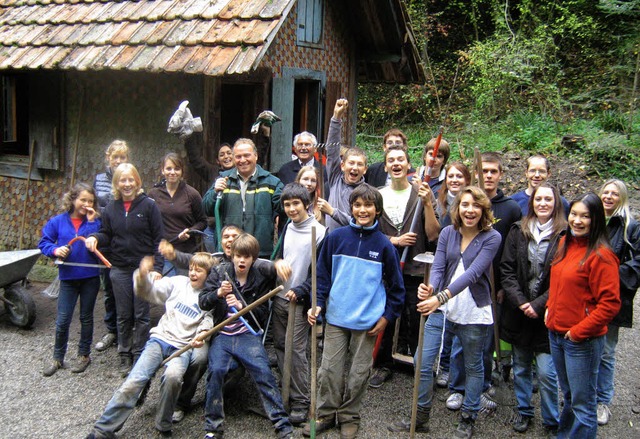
column 249, row 196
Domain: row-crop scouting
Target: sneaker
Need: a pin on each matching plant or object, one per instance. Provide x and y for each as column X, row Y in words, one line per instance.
column 107, row 340
column 349, row 430
column 379, row 377
column 125, row 365
column 454, row 401
column 603, row 414
column 491, row 391
column 52, row 368
column 404, row 425
column 165, row 433
column 487, row 405
column 298, row 416
column 442, row 379
column 214, row 435
column 322, row 424
column 520, row 422
column 177, row 416
column 465, row 427
column 81, row 364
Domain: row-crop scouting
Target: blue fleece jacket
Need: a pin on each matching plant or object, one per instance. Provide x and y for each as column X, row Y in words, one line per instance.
column 354, row 267
column 59, row 231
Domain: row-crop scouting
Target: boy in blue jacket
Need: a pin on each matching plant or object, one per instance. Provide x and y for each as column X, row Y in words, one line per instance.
column 357, row 305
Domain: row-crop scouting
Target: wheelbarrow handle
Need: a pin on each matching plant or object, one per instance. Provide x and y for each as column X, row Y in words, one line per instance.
column 96, row 251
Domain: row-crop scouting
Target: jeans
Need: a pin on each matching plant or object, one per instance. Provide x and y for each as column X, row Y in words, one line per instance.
column 607, row 366
column 123, row 402
column 170, row 270
column 133, row 313
column 198, row 362
column 299, row 390
column 433, row 338
column 471, row 340
column 577, row 367
column 224, row 354
column 210, row 239
column 456, row 363
column 70, row 291
column 110, row 314
column 445, row 355
column 523, row 384
column 335, row 396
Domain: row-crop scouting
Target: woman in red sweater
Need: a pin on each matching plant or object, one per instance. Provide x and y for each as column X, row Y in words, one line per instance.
column 584, row 296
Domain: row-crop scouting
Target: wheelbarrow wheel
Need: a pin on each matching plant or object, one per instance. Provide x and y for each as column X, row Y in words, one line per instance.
column 23, row 311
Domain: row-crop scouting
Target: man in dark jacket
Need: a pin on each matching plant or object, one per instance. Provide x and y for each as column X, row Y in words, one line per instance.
column 304, row 146
column 249, row 196
column 376, row 174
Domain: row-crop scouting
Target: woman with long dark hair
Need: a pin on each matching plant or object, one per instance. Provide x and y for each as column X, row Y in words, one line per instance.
column 584, row 296
column 525, row 267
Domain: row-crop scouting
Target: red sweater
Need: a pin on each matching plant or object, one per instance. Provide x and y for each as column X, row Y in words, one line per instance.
column 583, row 299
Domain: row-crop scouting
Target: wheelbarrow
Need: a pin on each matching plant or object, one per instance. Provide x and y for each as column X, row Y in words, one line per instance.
column 14, row 268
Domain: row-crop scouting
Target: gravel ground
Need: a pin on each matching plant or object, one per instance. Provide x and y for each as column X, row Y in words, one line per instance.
column 66, row 405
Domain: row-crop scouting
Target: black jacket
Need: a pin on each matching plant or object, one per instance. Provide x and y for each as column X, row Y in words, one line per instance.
column 132, row 235
column 629, row 256
column 260, row 280
column 506, row 212
column 515, row 327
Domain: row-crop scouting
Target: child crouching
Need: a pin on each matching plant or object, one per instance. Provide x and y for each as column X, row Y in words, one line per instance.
column 181, row 322
column 236, row 343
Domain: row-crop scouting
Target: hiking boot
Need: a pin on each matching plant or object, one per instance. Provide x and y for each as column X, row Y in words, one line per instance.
column 81, row 364
column 322, row 424
column 298, row 415
column 52, row 368
column 465, row 427
column 442, row 379
column 487, row 405
column 107, row 340
column 379, row 377
column 520, row 422
column 125, row 366
column 454, row 401
column 604, row 414
column 404, row 425
column 177, row 416
column 349, row 430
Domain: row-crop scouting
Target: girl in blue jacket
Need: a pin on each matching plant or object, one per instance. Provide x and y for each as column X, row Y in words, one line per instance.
column 79, row 219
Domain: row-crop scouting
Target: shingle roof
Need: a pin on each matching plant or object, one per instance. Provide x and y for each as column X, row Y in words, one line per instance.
column 211, row 37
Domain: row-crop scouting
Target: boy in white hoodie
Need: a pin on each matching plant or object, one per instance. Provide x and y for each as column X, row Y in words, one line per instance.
column 181, row 322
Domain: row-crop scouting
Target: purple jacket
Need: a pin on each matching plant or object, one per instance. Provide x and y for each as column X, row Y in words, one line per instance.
column 477, row 259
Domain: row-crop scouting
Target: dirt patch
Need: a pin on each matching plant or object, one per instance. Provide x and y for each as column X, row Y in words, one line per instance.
column 573, row 178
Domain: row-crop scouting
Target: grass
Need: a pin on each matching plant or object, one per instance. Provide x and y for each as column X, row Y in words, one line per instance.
column 609, row 151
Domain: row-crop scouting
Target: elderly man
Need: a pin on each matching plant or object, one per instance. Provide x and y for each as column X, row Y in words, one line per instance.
column 249, row 196
column 304, row 146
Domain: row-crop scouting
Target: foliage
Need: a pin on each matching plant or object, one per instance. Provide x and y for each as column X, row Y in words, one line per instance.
column 519, row 75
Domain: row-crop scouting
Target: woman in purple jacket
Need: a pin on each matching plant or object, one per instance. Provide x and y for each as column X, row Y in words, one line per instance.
column 76, row 282
column 460, row 292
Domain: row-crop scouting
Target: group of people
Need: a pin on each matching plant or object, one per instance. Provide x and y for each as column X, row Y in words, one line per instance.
column 554, row 279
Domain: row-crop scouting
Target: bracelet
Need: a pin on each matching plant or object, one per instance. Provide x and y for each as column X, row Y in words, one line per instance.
column 442, row 297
